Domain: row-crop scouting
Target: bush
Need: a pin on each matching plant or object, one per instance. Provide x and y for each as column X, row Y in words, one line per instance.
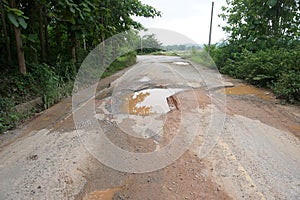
column 261, row 68
column 278, row 69
column 54, row 82
column 9, row 117
column 288, row 86
column 17, row 87
column 42, row 80
column 48, row 83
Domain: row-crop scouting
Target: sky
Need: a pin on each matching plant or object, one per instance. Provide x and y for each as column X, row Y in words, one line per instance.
column 190, row 18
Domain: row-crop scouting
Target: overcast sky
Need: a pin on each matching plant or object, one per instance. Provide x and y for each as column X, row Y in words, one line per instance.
column 188, row 17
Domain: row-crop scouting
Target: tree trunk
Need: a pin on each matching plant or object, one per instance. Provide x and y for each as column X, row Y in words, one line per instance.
column 41, row 34
column 33, row 6
column 20, row 50
column 21, row 57
column 8, row 51
column 73, row 46
column 84, row 42
column 11, row 34
column 103, row 42
column 114, row 45
column 103, row 51
column 46, row 34
column 58, row 35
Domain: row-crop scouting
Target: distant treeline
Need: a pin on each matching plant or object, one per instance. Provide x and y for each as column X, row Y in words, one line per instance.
column 182, row 47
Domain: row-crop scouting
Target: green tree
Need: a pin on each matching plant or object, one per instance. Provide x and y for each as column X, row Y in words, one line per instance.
column 258, row 24
column 263, row 45
column 150, row 44
column 64, row 27
column 17, row 18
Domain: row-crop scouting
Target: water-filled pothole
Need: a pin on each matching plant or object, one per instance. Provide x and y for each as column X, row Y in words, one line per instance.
column 248, row 90
column 148, row 101
column 103, row 195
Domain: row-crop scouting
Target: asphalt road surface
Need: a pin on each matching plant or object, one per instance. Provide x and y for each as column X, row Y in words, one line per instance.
column 165, row 128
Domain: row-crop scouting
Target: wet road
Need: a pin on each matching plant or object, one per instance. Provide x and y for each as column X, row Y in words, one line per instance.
column 163, row 129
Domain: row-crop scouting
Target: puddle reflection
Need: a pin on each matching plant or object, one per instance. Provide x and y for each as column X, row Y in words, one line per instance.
column 147, row 102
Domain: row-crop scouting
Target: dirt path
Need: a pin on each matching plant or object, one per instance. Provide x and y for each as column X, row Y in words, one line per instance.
column 208, row 143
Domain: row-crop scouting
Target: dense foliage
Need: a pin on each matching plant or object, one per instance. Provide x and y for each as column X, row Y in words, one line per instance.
column 42, row 30
column 44, row 42
column 263, row 45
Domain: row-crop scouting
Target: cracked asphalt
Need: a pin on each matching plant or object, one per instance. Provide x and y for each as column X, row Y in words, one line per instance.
column 219, row 139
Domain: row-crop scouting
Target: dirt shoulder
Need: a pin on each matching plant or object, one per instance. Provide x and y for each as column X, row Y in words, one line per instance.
column 260, row 104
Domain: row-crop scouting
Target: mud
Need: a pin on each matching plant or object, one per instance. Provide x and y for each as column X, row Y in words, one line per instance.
column 243, row 90
column 102, row 195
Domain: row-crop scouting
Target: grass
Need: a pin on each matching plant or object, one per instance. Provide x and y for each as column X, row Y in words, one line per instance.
column 43, row 81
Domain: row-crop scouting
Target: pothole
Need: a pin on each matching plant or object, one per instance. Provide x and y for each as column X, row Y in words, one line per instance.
column 149, row 101
column 102, row 195
column 248, row 90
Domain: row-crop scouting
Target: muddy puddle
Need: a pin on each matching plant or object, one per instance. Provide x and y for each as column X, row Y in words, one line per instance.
column 102, row 195
column 248, row 90
column 147, row 102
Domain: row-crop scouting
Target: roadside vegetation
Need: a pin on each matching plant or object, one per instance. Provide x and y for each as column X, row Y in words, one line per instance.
column 165, row 53
column 199, row 56
column 120, row 63
column 43, row 44
column 263, row 46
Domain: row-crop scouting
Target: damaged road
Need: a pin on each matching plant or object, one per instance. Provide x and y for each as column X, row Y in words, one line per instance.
column 163, row 129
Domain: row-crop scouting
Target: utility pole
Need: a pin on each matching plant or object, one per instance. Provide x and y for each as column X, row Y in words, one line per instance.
column 211, row 22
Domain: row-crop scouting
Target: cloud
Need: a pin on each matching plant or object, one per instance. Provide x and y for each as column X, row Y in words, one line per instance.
column 189, row 17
